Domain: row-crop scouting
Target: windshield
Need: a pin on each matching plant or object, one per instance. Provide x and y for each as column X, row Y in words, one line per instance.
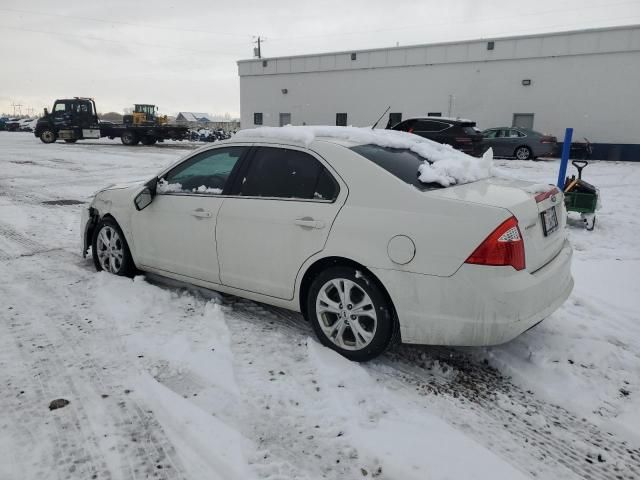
column 402, row 163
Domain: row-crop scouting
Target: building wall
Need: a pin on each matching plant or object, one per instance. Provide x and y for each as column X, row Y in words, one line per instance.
column 586, row 80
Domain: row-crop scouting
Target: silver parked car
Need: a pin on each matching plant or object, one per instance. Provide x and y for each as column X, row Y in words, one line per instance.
column 521, row 143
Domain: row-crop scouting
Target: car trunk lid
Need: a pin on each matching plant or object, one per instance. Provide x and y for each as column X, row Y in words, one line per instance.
column 528, row 202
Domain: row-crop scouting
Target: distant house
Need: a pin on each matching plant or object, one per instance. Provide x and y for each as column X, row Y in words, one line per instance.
column 111, row 117
column 193, row 117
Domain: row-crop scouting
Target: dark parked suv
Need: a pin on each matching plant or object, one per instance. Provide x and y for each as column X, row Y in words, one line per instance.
column 459, row 133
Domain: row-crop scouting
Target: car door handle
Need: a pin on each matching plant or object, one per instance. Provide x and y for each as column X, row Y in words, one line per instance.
column 201, row 213
column 308, row 222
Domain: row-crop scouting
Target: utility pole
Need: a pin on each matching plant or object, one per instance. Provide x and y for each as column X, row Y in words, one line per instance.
column 19, row 106
column 257, row 52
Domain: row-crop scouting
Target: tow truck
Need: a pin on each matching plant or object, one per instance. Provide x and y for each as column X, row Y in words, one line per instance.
column 74, row 119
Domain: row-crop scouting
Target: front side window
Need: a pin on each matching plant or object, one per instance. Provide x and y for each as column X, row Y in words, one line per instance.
column 406, row 126
column 205, row 173
column 84, row 108
column 60, row 107
column 284, row 173
column 257, row 118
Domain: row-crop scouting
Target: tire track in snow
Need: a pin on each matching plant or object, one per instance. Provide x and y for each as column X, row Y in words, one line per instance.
column 14, row 244
column 295, row 441
column 546, row 440
column 103, row 426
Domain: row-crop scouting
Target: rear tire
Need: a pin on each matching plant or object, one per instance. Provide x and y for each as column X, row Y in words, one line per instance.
column 350, row 313
column 523, row 153
column 48, row 136
column 110, row 249
column 148, row 140
column 129, row 138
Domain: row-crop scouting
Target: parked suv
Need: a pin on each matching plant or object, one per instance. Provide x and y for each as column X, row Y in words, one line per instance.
column 461, row 134
column 521, row 143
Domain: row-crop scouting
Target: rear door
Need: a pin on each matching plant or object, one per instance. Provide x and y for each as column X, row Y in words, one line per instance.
column 285, row 202
column 433, row 130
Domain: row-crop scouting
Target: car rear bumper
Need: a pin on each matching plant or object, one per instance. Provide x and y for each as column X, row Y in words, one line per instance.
column 478, row 305
column 545, row 150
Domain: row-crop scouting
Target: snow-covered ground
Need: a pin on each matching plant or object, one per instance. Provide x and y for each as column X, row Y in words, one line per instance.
column 171, row 382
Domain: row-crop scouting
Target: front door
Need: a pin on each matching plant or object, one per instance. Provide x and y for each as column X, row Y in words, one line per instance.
column 176, row 232
column 282, row 214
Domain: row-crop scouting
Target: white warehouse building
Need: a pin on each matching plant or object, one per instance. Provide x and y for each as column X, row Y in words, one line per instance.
column 588, row 80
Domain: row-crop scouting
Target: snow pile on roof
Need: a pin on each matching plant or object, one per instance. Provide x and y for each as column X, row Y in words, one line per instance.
column 194, row 117
column 443, row 164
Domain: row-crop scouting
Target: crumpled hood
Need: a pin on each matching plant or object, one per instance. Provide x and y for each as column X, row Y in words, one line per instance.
column 121, row 186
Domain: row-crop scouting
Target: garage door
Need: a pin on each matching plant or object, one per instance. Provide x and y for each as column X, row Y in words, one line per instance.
column 523, row 120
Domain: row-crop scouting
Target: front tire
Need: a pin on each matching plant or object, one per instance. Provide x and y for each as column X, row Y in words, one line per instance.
column 523, row 153
column 110, row 250
column 350, row 313
column 48, row 136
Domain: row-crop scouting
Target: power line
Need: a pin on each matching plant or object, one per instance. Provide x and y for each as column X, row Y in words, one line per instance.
column 120, row 42
column 101, row 20
column 424, row 25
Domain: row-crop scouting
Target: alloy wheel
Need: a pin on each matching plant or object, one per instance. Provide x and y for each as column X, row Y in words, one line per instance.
column 110, row 249
column 523, row 153
column 346, row 314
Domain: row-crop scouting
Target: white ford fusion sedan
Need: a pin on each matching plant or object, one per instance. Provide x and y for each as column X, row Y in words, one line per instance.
column 375, row 236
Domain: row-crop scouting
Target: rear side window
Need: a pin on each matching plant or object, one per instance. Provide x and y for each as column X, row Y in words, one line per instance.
column 430, row 126
column 284, row 173
column 400, row 162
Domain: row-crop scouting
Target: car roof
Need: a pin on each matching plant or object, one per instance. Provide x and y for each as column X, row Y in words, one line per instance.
column 444, row 119
column 293, row 142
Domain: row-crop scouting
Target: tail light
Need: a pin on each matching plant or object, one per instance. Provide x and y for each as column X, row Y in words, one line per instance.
column 504, row 246
column 463, row 140
column 548, row 139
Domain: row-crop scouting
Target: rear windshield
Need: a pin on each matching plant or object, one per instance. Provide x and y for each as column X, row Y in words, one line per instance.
column 399, row 162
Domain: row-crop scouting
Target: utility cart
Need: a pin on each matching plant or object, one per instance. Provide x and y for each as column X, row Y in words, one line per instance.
column 581, row 196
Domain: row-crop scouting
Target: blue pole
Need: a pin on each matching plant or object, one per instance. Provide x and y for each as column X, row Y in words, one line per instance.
column 566, row 149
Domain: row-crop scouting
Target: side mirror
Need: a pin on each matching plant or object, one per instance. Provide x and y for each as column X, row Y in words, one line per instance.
column 143, row 199
column 46, row 112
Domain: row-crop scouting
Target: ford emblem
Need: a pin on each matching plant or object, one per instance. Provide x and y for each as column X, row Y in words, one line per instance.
column 553, row 199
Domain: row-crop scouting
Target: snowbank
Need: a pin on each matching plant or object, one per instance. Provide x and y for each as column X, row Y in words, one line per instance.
column 443, row 164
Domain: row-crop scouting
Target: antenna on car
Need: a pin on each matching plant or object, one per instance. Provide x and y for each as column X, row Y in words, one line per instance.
column 378, row 121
